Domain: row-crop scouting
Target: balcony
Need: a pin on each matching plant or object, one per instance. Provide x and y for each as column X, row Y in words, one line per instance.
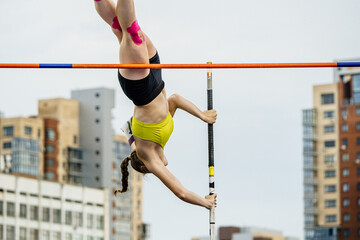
column 310, row 180
column 311, row 210
column 310, row 195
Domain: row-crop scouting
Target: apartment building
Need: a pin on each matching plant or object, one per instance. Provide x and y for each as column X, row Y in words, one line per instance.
column 37, row 209
column 21, row 146
column 331, row 151
column 62, row 154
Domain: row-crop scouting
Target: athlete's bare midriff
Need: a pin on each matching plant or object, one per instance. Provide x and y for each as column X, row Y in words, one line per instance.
column 155, row 111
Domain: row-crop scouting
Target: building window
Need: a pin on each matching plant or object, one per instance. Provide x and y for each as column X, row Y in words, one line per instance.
column 90, row 222
column 6, row 145
column 56, row 236
column 56, row 216
column 358, row 111
column 345, row 172
column 100, row 222
column 346, row 217
column 78, row 219
column 97, row 139
column 49, row 149
column 330, row 218
column 27, row 130
column 330, row 159
column 97, row 107
column 358, row 186
column 49, row 162
column 46, row 214
column 358, row 171
column 330, row 173
column 345, row 157
column 34, row 213
column 10, row 232
column 68, row 217
column 329, row 129
column 23, row 211
column 345, row 127
column 329, row 114
column 346, row 202
column 358, row 140
column 346, row 187
column 327, row 98
column 50, row 134
column 345, row 142
column 346, row 232
column 358, row 126
column 75, row 139
column 97, row 95
column 45, row 235
column 8, row 131
column 330, row 203
column 22, row 233
column 49, row 175
column 358, row 216
column 10, row 209
column 68, row 236
column 97, row 121
column 344, row 113
column 34, row 234
column 90, row 238
column 1, row 208
column 330, row 143
column 330, row 188
column 97, row 152
column 358, row 201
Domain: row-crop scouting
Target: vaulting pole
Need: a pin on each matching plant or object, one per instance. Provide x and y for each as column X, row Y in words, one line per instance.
column 211, row 153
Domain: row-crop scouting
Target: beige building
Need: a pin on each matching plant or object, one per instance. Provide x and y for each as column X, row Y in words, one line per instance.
column 21, row 146
column 62, row 136
column 325, row 101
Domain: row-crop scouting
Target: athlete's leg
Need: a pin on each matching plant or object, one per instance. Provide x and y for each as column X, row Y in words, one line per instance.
column 135, row 46
column 106, row 10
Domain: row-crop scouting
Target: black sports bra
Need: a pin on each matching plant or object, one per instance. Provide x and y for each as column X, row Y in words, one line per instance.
column 143, row 91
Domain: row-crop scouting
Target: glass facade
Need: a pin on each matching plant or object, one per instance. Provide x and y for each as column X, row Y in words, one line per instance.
column 356, row 88
column 310, row 170
column 74, row 157
column 26, row 156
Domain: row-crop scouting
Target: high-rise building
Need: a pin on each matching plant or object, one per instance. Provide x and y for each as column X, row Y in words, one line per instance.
column 331, row 152
column 21, row 146
column 103, row 153
column 62, row 154
column 72, row 142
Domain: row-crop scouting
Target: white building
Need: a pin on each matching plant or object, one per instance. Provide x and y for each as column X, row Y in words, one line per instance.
column 42, row 210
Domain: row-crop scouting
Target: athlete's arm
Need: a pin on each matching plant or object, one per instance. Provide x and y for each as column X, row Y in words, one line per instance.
column 170, row 181
column 176, row 101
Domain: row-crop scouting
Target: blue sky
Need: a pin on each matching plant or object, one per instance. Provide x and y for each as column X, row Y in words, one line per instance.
column 258, row 136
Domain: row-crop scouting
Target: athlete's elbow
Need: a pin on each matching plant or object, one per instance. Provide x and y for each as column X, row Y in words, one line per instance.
column 181, row 195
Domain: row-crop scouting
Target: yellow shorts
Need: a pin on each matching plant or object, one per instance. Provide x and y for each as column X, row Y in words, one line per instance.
column 156, row 132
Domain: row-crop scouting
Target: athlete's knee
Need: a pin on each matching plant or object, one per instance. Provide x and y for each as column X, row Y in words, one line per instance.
column 137, row 37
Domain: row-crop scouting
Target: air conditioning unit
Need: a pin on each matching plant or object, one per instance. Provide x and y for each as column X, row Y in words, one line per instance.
column 357, row 161
column 343, row 147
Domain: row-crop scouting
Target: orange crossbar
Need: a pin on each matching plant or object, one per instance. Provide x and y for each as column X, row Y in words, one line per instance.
column 172, row 66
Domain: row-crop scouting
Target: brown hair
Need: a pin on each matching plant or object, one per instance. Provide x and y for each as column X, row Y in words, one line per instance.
column 136, row 164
